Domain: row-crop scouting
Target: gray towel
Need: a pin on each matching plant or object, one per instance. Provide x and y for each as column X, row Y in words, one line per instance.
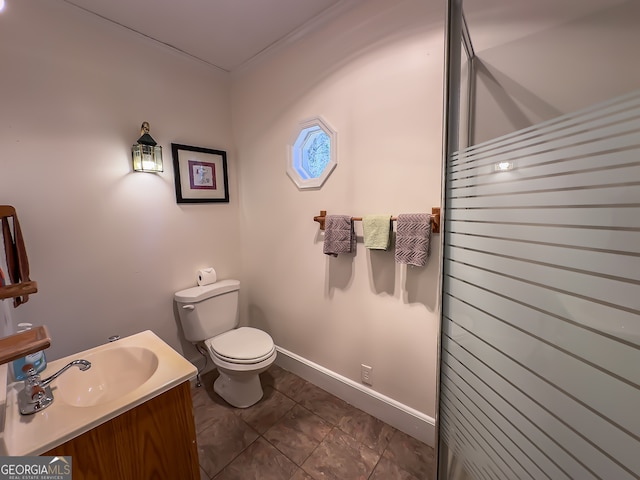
column 413, row 238
column 339, row 235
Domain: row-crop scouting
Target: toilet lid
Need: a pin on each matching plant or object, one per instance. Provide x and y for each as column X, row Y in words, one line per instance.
column 242, row 345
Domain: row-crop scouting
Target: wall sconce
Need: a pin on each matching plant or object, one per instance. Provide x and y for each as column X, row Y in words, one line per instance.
column 146, row 154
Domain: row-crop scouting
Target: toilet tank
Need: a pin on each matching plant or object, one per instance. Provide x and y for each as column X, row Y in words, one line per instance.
column 208, row 310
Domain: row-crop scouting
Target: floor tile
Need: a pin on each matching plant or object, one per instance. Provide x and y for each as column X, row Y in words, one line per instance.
column 271, row 408
column 260, row 461
column 206, row 381
column 198, row 396
column 323, row 404
column 340, row 457
column 203, row 475
column 301, row 475
column 222, row 441
column 207, row 414
column 298, row 433
column 374, row 433
column 207, row 404
column 387, row 470
column 414, row 456
column 283, row 381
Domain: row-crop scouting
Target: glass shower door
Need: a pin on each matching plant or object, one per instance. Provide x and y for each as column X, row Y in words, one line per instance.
column 540, row 340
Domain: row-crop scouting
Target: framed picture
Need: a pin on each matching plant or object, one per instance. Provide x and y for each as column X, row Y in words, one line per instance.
column 200, row 174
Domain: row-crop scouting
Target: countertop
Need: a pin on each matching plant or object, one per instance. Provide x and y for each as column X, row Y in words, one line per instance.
column 60, row 422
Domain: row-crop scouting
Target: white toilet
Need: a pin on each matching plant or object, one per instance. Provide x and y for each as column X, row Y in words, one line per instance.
column 209, row 314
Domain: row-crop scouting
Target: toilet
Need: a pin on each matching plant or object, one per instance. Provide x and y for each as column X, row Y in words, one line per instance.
column 209, row 314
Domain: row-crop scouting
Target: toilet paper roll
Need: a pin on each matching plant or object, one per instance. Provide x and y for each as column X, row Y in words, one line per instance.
column 207, row 276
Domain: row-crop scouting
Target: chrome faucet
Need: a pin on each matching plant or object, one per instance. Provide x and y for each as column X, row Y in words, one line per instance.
column 82, row 365
column 36, row 394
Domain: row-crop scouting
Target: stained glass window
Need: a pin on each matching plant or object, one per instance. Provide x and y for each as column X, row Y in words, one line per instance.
column 312, row 154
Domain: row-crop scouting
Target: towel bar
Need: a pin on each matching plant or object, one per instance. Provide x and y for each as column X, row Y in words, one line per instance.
column 435, row 219
column 16, row 257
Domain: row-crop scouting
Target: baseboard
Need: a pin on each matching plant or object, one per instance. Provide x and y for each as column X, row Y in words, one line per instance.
column 396, row 414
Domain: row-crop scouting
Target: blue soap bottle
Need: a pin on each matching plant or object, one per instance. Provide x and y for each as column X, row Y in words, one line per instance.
column 37, row 359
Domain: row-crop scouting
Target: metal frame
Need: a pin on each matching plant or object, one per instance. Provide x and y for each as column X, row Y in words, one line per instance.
column 456, row 37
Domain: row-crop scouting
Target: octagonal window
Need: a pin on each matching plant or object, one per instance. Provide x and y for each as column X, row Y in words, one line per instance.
column 312, row 153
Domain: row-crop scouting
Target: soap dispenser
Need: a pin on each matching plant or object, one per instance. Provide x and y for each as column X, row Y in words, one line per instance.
column 37, row 359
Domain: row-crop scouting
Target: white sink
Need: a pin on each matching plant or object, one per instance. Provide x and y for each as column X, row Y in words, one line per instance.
column 123, row 375
column 114, row 372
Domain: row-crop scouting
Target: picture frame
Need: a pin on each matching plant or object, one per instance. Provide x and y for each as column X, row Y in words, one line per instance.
column 200, row 174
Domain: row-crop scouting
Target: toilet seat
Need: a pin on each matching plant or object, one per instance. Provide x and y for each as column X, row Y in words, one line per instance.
column 244, row 345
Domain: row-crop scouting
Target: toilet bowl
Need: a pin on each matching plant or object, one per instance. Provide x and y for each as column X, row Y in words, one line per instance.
column 240, row 356
column 209, row 314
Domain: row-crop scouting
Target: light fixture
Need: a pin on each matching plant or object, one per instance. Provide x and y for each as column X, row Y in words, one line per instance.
column 503, row 166
column 146, row 154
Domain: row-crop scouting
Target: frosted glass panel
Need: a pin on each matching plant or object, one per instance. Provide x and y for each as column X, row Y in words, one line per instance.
column 540, row 360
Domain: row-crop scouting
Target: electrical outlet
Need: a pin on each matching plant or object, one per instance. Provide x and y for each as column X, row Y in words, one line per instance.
column 366, row 374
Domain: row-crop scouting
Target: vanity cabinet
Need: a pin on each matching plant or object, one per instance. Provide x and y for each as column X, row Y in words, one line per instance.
column 155, row 440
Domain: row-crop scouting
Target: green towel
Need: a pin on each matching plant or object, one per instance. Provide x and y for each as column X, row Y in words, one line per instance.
column 377, row 231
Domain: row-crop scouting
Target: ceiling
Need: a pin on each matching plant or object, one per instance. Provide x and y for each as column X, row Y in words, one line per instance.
column 222, row 33
column 229, row 33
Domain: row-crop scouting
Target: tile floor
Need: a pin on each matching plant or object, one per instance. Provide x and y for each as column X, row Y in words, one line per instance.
column 300, row 432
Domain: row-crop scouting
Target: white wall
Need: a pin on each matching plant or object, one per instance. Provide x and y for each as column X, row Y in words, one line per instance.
column 374, row 72
column 554, row 71
column 107, row 247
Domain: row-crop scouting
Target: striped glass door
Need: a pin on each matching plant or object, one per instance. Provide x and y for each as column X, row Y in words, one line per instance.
column 540, row 343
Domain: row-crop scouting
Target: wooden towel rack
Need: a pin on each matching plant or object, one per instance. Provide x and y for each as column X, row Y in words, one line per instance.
column 435, row 219
column 36, row 339
column 26, row 286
